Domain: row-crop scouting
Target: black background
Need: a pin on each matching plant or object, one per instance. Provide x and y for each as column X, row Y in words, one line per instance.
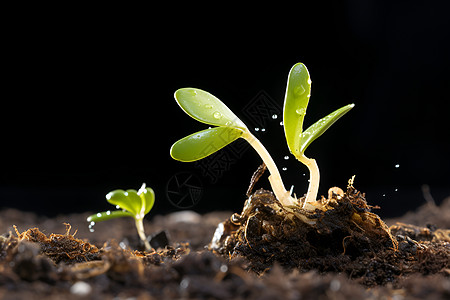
column 88, row 106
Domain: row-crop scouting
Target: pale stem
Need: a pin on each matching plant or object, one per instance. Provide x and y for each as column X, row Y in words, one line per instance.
column 275, row 179
column 314, row 178
column 141, row 232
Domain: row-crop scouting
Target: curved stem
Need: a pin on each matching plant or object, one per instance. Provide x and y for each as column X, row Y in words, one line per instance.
column 141, row 233
column 275, row 178
column 314, row 178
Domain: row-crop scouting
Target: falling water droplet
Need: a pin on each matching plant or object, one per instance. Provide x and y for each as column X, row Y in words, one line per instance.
column 384, row 195
column 217, row 115
column 286, row 157
column 397, row 166
column 91, row 226
column 396, row 190
column 263, row 129
column 284, row 168
column 274, row 116
column 256, row 129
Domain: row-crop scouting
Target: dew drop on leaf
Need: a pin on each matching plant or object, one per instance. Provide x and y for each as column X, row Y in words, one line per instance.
column 301, row 111
column 208, row 106
column 217, row 115
column 300, row 90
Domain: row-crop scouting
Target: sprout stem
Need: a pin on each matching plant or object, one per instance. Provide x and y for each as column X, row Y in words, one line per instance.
column 314, row 179
column 140, row 230
column 275, row 179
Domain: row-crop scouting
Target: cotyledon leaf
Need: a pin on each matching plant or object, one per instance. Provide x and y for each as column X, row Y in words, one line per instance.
column 107, row 215
column 203, row 143
column 206, row 108
column 148, row 198
column 295, row 103
column 318, row 128
column 125, row 200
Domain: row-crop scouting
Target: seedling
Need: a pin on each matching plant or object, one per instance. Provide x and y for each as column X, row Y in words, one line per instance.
column 298, row 92
column 206, row 108
column 134, row 204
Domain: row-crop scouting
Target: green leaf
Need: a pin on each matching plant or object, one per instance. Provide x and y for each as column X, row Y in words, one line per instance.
column 147, row 196
column 127, row 200
column 295, row 103
column 206, row 108
column 318, row 128
column 203, row 143
column 107, row 215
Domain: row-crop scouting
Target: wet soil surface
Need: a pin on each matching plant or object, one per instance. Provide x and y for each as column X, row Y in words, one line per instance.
column 256, row 254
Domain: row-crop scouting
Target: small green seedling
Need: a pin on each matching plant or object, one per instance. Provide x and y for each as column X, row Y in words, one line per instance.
column 297, row 96
column 134, row 204
column 206, row 108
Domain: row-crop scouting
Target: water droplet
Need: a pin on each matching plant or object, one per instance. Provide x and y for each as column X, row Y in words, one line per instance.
column 217, row 115
column 384, row 195
column 274, row 116
column 304, row 174
column 281, row 123
column 108, row 212
column 117, row 207
column 300, row 90
column 256, row 129
column 301, row 111
column 263, row 129
column 397, row 166
column 309, row 81
column 91, row 226
column 208, row 106
column 99, row 215
column 284, row 168
column 286, row 157
column 396, row 190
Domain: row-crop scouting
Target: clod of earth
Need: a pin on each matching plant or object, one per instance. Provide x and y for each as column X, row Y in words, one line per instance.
column 61, row 247
column 346, row 237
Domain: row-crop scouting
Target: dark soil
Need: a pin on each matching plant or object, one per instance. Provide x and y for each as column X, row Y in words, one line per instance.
column 350, row 254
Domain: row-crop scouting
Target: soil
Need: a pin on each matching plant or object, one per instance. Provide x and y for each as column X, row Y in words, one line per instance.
column 347, row 252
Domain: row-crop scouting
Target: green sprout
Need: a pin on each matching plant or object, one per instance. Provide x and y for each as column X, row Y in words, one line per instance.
column 297, row 96
column 134, row 204
column 206, row 108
